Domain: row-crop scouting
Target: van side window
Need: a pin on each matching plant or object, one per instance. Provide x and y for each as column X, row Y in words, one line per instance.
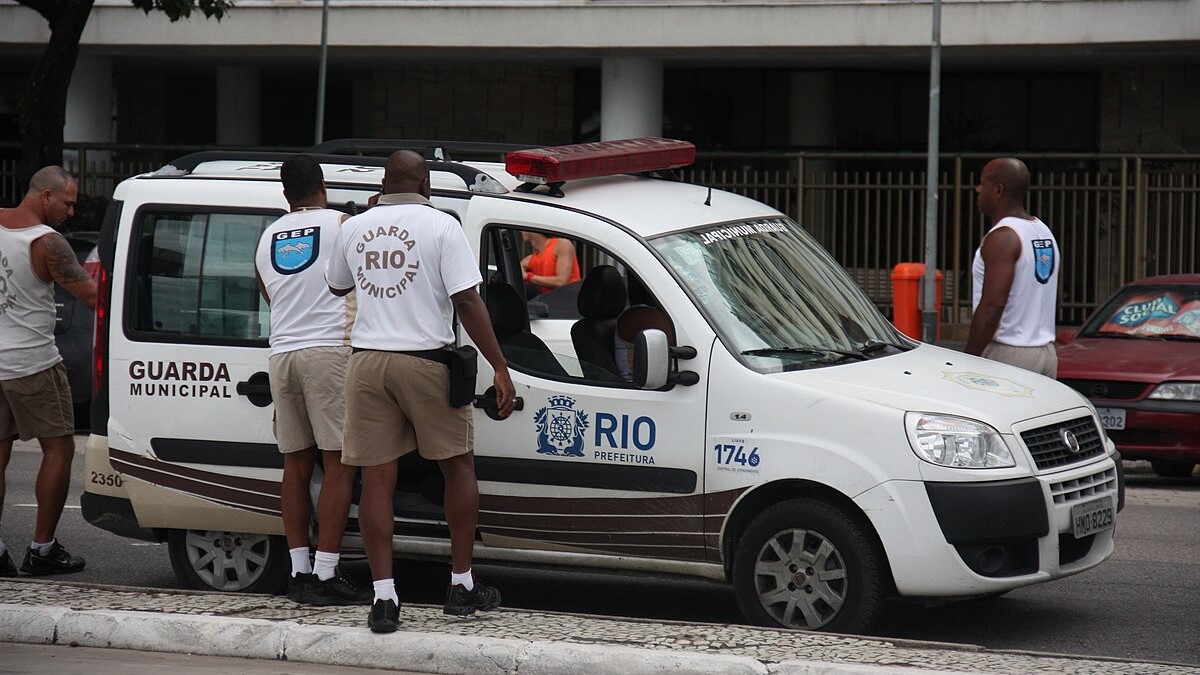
column 581, row 327
column 194, row 276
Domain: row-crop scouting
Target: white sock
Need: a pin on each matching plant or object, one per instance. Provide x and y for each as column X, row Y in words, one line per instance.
column 41, row 549
column 385, row 589
column 300, row 562
column 325, row 564
column 467, row 579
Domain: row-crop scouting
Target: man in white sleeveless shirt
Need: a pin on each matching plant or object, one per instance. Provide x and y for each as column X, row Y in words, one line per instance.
column 1014, row 274
column 413, row 268
column 35, row 399
column 310, row 346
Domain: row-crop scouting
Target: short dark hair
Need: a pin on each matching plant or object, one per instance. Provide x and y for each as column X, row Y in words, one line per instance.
column 301, row 176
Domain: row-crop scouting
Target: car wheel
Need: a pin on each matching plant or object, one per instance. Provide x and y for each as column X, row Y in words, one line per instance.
column 229, row 561
column 1170, row 468
column 807, row 564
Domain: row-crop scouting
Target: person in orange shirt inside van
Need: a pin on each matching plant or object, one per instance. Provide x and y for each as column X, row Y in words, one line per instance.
column 551, row 265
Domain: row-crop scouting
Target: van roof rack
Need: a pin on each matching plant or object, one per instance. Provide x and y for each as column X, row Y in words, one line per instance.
column 434, row 150
column 475, row 180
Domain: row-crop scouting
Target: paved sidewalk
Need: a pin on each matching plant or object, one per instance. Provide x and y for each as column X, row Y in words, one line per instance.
column 504, row 642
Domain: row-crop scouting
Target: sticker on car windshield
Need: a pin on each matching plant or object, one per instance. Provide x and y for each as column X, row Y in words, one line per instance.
column 1160, row 313
column 989, row 383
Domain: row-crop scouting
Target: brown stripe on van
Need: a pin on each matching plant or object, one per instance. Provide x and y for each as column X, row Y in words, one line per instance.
column 684, row 505
column 201, row 484
column 251, row 484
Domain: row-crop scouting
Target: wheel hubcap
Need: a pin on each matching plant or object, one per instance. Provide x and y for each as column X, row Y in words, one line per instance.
column 227, row 561
column 800, row 577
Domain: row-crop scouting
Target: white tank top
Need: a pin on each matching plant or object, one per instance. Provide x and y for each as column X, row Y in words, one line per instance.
column 290, row 259
column 26, row 307
column 1028, row 319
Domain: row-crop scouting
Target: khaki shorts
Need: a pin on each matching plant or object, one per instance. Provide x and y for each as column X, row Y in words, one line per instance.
column 1042, row 359
column 37, row 406
column 308, row 386
column 396, row 403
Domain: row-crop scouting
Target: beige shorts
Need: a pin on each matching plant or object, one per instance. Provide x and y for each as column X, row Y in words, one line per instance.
column 1042, row 359
column 396, row 403
column 37, row 406
column 308, row 386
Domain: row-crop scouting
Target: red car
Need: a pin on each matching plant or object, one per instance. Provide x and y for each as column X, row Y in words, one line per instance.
column 1138, row 360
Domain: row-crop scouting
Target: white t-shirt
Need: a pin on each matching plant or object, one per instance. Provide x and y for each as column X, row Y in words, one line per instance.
column 290, row 259
column 405, row 259
column 27, row 313
column 1028, row 319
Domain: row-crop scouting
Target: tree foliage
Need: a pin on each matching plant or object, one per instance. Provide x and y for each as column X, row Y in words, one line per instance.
column 42, row 107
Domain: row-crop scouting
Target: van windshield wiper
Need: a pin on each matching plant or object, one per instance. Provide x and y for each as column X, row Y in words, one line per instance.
column 1124, row 336
column 819, row 351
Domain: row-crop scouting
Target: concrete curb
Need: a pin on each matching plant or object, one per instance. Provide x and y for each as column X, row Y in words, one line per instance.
column 354, row 647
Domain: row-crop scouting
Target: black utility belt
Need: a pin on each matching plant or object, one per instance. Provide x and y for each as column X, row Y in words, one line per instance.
column 441, row 356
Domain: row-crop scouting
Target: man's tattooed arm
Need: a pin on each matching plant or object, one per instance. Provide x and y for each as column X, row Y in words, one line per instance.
column 64, row 268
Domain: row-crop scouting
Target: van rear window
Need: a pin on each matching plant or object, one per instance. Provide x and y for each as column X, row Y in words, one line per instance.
column 194, row 276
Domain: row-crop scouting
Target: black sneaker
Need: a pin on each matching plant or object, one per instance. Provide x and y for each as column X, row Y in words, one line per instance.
column 461, row 602
column 336, row 590
column 385, row 616
column 298, row 585
column 7, row 567
column 56, row 561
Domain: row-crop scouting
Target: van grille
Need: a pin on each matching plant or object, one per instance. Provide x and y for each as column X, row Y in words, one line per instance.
column 1049, row 451
column 1079, row 489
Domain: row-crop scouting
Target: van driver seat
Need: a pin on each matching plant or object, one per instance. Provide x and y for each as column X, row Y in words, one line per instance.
column 510, row 322
column 601, row 300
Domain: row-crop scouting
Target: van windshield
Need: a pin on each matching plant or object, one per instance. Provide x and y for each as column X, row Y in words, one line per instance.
column 776, row 297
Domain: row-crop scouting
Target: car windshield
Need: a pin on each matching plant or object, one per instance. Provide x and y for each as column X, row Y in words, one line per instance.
column 775, row 297
column 1168, row 312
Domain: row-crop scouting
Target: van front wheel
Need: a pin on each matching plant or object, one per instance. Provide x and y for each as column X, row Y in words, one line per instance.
column 806, row 564
column 229, row 561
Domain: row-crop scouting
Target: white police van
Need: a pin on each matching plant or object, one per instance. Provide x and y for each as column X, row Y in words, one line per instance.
column 715, row 398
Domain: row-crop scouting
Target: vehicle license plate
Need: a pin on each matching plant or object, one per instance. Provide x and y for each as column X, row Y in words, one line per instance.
column 1092, row 517
column 1112, row 418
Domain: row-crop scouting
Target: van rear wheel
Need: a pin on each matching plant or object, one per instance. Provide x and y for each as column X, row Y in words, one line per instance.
column 229, row 561
column 806, row 564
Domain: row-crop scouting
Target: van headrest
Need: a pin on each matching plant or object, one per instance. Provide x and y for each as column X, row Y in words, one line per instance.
column 507, row 309
column 602, row 294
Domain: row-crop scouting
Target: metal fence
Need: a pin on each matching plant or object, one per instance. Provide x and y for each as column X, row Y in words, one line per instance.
column 1117, row 217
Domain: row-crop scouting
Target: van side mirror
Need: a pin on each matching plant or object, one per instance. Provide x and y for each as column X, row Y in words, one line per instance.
column 652, row 357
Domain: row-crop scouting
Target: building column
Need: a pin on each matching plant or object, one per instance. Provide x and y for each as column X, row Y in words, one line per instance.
column 239, row 94
column 631, row 97
column 89, row 117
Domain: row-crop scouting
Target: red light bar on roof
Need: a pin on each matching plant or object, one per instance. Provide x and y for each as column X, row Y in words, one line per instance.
column 544, row 166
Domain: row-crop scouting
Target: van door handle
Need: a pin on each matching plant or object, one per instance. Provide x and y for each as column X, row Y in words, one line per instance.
column 487, row 402
column 257, row 389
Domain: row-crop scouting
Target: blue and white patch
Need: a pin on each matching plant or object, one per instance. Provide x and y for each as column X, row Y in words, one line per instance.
column 1043, row 259
column 294, row 251
column 560, row 427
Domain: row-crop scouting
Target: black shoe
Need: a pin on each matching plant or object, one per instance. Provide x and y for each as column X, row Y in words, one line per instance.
column 56, row 561
column 299, row 584
column 336, row 590
column 7, row 567
column 461, row 602
column 385, row 616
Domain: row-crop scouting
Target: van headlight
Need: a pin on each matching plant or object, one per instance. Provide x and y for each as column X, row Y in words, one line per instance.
column 956, row 442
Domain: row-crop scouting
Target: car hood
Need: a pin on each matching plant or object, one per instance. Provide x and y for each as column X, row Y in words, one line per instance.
column 936, row 380
column 1095, row 358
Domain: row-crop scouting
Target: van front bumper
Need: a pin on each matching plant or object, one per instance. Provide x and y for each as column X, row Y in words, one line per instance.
column 975, row 538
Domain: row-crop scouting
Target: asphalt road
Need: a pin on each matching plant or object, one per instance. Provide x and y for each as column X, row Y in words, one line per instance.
column 1140, row 604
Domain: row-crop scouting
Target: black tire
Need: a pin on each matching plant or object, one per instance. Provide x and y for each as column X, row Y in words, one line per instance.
column 806, row 564
column 1172, row 468
column 229, row 561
